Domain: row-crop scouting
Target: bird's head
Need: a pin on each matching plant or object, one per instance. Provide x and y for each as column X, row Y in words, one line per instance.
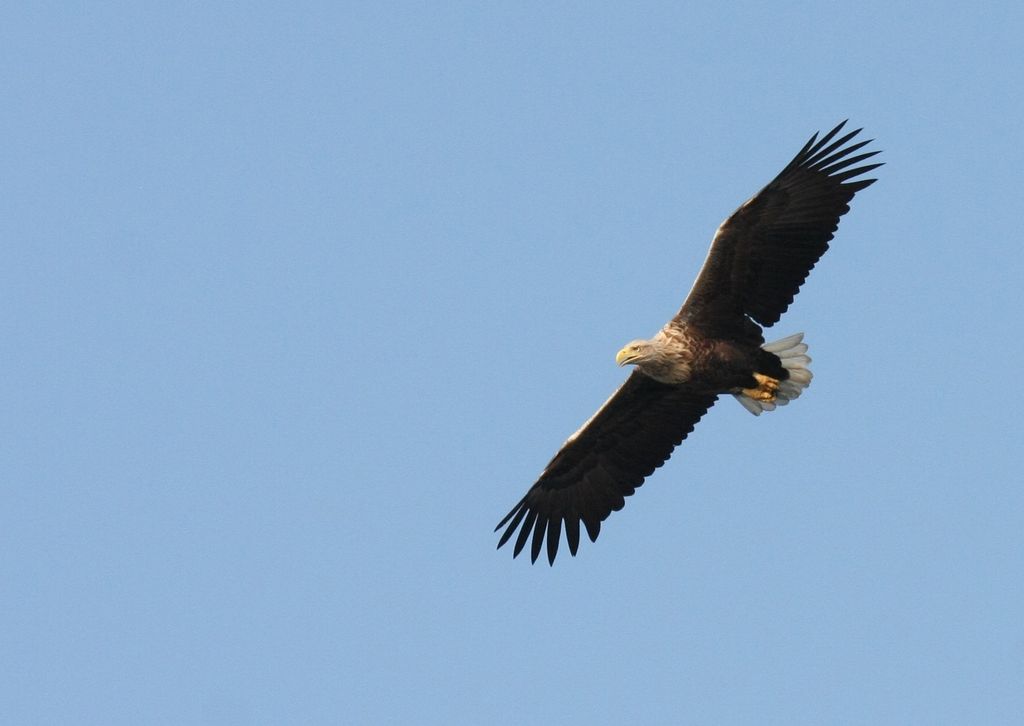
column 637, row 351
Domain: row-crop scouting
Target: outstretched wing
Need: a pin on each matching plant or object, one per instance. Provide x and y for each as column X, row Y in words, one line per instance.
column 761, row 255
column 630, row 436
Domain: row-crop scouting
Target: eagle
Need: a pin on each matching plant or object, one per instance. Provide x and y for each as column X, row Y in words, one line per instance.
column 759, row 258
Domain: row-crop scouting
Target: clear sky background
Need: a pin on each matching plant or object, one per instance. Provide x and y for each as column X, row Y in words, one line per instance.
column 296, row 301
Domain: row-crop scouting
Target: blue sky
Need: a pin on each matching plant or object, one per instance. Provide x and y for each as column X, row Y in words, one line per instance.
column 297, row 301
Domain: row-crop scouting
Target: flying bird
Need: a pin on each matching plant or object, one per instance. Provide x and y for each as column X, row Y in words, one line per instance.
column 759, row 258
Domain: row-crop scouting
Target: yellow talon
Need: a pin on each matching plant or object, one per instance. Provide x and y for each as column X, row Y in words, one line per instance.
column 766, row 388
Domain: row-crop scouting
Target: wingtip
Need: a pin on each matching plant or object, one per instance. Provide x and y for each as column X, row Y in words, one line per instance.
column 537, row 542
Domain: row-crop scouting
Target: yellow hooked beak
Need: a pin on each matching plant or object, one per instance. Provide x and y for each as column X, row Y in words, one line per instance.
column 625, row 355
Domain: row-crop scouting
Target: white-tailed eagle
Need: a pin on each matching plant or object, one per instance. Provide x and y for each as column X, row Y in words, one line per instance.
column 759, row 258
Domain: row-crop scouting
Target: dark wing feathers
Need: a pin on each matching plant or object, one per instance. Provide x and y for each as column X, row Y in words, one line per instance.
column 762, row 254
column 603, row 463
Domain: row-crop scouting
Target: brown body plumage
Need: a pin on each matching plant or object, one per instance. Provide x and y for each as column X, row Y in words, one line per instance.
column 759, row 258
column 714, row 365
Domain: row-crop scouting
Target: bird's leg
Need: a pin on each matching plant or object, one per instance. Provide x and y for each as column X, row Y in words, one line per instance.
column 766, row 388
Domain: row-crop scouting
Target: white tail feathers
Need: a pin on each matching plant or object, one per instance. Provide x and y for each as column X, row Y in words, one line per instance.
column 792, row 351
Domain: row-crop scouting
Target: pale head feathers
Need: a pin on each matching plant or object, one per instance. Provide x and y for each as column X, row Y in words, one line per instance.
column 662, row 358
